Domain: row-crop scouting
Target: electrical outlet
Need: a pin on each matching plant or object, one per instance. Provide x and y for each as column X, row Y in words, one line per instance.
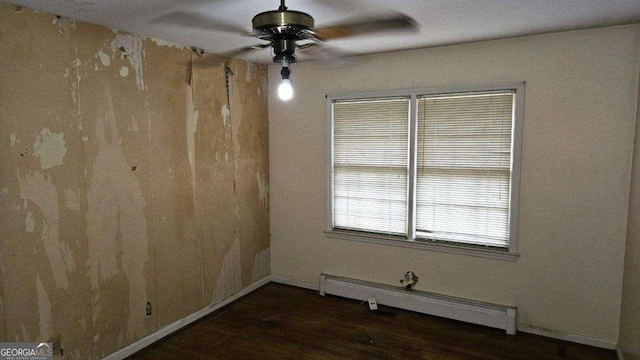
column 373, row 304
column 148, row 308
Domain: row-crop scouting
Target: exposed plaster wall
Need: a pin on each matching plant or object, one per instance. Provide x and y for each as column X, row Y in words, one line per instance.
column 125, row 177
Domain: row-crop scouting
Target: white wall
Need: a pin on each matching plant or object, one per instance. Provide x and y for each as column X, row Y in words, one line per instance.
column 630, row 310
column 578, row 138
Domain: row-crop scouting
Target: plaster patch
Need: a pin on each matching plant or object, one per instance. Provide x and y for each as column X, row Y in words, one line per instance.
column 263, row 189
column 13, row 139
column 249, row 70
column 104, row 58
column 30, row 223
column 41, row 192
column 124, row 71
column 134, row 47
column 160, row 42
column 134, row 124
column 49, row 148
column 192, row 127
column 75, row 65
column 68, row 259
column 116, row 223
column 72, row 199
column 225, row 114
column 5, row 191
column 44, row 310
column 85, row 138
column 261, row 265
column 229, row 281
column 74, row 92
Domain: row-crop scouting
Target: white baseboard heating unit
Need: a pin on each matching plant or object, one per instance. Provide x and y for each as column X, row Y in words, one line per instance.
column 496, row 316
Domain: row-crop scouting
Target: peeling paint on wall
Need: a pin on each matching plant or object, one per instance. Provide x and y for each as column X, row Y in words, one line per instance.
column 30, row 223
column 261, row 265
column 104, row 58
column 229, row 281
column 42, row 193
column 160, row 42
column 72, row 199
column 82, row 212
column 49, row 148
column 192, row 127
column 225, row 114
column 116, row 223
column 74, row 66
column 263, row 189
column 249, row 71
column 134, row 48
column 44, row 310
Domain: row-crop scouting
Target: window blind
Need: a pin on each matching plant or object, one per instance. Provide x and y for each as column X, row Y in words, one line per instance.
column 463, row 167
column 370, row 147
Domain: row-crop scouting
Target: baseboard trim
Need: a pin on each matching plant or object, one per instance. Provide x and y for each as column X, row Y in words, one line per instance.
column 579, row 339
column 297, row 283
column 168, row 330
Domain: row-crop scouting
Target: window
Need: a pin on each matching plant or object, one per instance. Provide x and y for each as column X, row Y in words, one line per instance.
column 427, row 168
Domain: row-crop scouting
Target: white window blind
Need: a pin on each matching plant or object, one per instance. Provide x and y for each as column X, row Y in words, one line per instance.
column 464, row 167
column 370, row 157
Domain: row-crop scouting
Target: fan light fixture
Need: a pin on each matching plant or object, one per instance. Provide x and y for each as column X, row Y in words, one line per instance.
column 285, row 90
column 285, row 30
column 283, row 27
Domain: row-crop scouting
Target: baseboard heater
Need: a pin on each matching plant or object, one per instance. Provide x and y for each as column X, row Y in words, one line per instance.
column 496, row 316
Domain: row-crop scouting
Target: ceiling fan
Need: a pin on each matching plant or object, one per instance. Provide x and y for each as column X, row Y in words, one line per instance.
column 285, row 30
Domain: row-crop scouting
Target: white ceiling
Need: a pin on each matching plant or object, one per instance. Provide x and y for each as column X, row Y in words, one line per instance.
column 441, row 22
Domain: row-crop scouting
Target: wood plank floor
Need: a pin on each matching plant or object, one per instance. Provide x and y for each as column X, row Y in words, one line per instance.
column 284, row 322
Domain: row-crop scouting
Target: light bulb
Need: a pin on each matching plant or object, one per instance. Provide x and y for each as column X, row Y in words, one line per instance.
column 285, row 90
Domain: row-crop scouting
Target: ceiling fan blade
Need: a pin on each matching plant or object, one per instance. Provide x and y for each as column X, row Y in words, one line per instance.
column 330, row 55
column 198, row 21
column 235, row 53
column 368, row 25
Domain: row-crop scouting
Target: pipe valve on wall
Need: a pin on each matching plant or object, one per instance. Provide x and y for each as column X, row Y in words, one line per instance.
column 410, row 279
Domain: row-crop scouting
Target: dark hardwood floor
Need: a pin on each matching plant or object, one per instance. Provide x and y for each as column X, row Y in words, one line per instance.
column 284, row 322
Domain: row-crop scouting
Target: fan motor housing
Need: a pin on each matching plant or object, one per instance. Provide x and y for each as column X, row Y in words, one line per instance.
column 282, row 28
column 286, row 21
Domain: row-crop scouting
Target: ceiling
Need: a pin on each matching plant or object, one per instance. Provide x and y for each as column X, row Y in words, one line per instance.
column 441, row 22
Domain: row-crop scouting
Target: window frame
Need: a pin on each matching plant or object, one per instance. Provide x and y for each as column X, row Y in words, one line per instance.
column 507, row 253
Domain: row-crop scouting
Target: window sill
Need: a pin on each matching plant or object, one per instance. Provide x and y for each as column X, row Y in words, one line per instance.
column 452, row 248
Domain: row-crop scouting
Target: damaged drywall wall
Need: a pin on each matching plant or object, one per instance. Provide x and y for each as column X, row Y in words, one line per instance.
column 129, row 176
